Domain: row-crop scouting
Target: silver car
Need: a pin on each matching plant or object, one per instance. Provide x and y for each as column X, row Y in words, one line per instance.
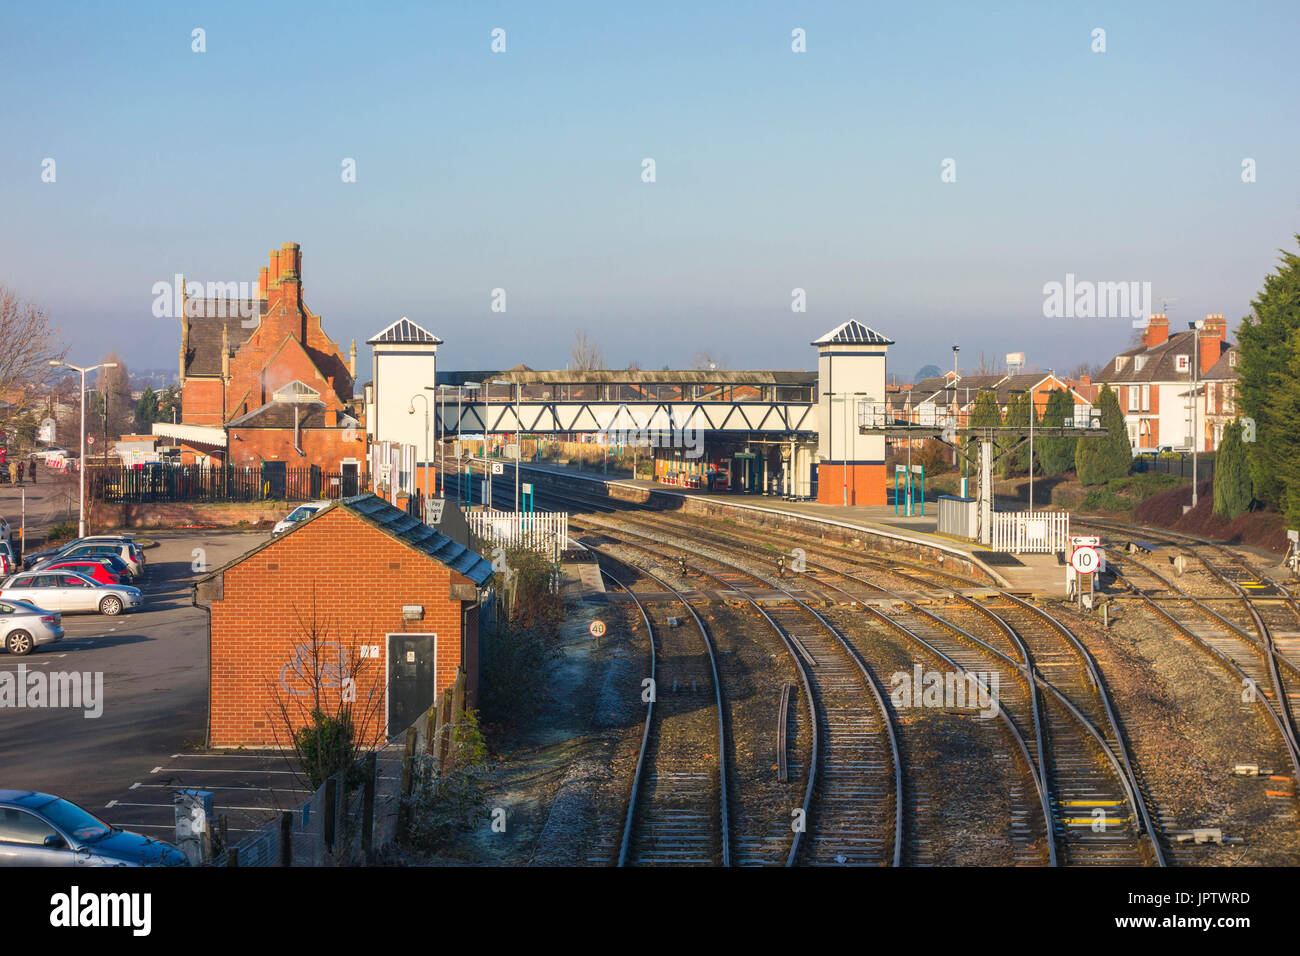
column 67, row 591
column 24, row 626
column 128, row 553
column 37, row 829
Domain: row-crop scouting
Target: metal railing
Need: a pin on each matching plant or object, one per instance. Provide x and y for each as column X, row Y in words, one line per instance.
column 546, row 532
column 199, row 483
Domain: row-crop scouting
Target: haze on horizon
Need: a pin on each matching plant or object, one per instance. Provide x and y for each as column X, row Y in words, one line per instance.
column 774, row 170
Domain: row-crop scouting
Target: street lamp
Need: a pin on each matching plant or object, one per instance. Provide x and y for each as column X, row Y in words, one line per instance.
column 81, row 519
column 1194, row 371
column 411, row 411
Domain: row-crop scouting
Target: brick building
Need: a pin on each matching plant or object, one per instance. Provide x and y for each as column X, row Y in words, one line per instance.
column 1154, row 383
column 361, row 596
column 262, row 383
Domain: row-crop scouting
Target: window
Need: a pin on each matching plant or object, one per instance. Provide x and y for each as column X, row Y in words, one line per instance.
column 1119, row 363
column 1232, row 359
column 1146, row 398
column 1139, row 363
column 1184, row 362
column 19, row 826
column 1134, row 394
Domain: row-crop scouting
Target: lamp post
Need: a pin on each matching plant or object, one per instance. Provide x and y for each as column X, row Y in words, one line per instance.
column 411, row 411
column 1194, row 372
column 955, row 349
column 81, row 519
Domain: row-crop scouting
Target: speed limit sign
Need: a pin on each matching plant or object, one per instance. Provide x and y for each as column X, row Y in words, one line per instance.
column 597, row 628
column 1085, row 560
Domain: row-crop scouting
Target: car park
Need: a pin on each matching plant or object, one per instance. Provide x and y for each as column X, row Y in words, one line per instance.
column 38, row 829
column 67, row 591
column 301, row 513
column 25, row 627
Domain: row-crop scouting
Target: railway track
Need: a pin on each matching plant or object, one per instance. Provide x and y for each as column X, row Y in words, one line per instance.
column 1098, row 807
column 677, row 810
column 1074, row 756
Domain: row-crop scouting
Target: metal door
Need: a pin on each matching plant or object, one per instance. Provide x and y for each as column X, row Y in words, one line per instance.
column 411, row 663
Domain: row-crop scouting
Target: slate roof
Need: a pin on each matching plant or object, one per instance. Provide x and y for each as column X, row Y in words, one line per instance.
column 204, row 354
column 397, row 523
column 853, row 332
column 280, row 415
column 1223, row 370
column 1161, row 363
column 404, row 330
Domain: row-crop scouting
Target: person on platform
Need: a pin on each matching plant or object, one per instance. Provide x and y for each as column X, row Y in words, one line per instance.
column 31, row 469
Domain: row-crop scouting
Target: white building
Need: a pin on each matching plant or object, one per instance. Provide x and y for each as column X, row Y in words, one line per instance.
column 405, row 362
column 850, row 371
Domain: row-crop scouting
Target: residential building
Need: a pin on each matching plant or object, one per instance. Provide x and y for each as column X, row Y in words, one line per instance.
column 1154, row 382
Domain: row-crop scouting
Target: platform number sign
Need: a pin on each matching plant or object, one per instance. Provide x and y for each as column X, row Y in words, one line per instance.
column 498, row 468
column 1085, row 560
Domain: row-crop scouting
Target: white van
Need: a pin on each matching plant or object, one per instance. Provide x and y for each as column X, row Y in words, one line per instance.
column 301, row 513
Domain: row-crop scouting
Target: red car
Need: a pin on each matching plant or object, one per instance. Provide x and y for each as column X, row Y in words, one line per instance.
column 91, row 569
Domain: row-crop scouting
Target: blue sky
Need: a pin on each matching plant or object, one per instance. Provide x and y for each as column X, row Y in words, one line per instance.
column 775, row 170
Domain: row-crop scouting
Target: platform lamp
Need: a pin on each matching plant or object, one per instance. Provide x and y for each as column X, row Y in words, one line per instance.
column 411, row 411
column 81, row 520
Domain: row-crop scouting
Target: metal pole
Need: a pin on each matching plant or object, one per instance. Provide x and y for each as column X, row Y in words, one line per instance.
column 442, row 444
column 427, row 463
column 1033, row 413
column 81, row 508
column 1196, row 369
column 519, row 445
column 846, row 449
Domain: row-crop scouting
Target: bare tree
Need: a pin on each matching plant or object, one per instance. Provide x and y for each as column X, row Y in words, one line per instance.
column 585, row 354
column 28, row 346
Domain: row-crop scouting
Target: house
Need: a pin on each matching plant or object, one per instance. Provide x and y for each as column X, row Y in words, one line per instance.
column 1154, row 383
column 262, row 384
column 362, row 601
column 936, row 396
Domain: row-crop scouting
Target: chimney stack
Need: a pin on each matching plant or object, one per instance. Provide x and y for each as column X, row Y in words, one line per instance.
column 1157, row 330
column 352, row 360
column 1214, row 337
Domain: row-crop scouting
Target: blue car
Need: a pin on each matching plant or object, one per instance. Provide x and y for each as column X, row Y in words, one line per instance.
column 37, row 829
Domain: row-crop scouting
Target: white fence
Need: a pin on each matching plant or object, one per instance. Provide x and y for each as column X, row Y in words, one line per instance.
column 1019, row 531
column 547, row 533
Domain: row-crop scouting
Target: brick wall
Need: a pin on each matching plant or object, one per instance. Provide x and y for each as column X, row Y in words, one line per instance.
column 102, row 516
column 361, row 579
column 326, row 447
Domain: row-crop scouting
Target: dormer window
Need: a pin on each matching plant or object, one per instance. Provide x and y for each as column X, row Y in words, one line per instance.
column 1184, row 362
column 1232, row 359
column 1139, row 362
column 1119, row 363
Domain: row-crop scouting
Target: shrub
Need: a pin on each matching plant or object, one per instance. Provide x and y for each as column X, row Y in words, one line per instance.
column 444, row 801
column 327, row 747
column 64, row 531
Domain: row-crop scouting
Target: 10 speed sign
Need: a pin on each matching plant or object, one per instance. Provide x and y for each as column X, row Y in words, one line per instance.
column 1085, row 560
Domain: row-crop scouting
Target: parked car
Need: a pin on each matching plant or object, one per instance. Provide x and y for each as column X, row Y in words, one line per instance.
column 301, row 513
column 112, row 563
column 8, row 560
column 38, row 829
column 54, row 451
column 4, row 530
column 126, row 539
column 95, row 570
column 129, row 554
column 25, row 627
column 68, row 591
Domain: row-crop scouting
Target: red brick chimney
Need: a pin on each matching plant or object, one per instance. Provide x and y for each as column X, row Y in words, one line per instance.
column 1214, row 337
column 1157, row 330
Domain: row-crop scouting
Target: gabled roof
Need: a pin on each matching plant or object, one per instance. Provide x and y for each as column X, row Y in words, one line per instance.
column 853, row 332
column 397, row 524
column 282, row 415
column 404, row 330
column 1224, row 370
column 296, row 391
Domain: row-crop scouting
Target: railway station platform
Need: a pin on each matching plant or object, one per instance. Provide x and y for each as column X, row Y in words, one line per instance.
column 1037, row 575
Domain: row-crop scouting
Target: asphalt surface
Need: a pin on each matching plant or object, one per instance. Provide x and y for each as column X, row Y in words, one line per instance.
column 154, row 666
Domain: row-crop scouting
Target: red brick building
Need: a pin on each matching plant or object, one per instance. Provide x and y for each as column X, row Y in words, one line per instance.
column 361, row 598
column 261, row 381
